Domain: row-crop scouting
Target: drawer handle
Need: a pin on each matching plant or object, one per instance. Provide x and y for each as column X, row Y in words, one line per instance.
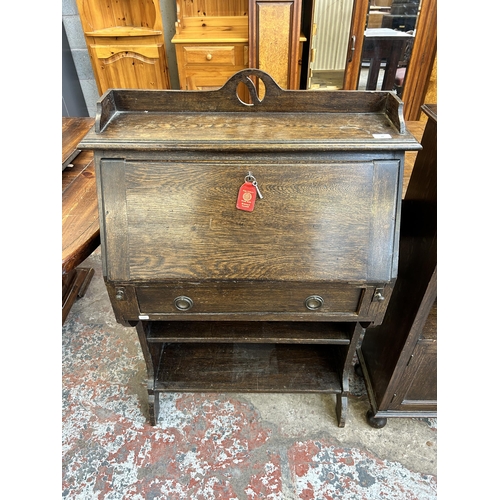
column 314, row 302
column 183, row 303
column 209, row 57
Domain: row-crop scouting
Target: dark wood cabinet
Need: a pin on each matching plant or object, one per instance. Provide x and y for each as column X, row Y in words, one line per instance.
column 398, row 357
column 228, row 299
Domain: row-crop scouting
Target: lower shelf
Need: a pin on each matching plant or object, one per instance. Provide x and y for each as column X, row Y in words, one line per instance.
column 250, row 331
column 236, row 367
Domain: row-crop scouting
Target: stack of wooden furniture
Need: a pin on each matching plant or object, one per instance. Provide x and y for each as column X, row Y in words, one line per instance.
column 215, row 39
column 125, row 43
column 275, row 298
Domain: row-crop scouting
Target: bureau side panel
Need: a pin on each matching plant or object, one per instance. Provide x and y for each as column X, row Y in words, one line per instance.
column 113, row 207
column 383, row 241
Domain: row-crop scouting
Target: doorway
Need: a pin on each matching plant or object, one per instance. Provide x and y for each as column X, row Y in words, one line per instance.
column 329, row 41
column 361, row 44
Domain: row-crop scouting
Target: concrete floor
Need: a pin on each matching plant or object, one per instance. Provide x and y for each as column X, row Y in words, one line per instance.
column 219, row 446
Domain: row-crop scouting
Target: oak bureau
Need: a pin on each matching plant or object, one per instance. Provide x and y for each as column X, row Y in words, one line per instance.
column 250, row 244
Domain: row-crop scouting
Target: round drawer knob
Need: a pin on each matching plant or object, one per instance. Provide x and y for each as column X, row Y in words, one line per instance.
column 209, row 57
column 314, row 302
column 183, row 303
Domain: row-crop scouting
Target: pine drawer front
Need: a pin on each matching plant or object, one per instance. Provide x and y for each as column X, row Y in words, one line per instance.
column 209, row 65
column 224, row 55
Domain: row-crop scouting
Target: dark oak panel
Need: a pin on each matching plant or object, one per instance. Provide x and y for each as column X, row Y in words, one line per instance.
column 181, row 221
column 248, row 368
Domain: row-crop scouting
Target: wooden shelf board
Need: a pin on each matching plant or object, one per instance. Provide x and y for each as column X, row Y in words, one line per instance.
column 217, row 29
column 211, row 37
column 250, row 332
column 234, row 367
column 122, row 31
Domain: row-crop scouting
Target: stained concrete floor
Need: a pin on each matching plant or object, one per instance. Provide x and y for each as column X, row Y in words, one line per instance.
column 219, row 446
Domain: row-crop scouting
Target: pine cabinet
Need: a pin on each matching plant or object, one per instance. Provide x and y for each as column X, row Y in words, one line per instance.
column 211, row 42
column 125, row 43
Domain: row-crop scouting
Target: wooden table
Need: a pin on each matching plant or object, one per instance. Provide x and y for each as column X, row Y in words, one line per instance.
column 379, row 44
column 80, row 220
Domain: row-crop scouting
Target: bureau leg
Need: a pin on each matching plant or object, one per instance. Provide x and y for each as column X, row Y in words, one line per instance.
column 341, row 409
column 376, row 423
column 154, row 406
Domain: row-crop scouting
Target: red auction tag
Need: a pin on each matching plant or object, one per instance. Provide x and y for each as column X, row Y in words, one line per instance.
column 246, row 197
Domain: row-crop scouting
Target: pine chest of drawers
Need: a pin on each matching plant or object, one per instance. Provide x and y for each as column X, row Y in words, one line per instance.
column 251, row 245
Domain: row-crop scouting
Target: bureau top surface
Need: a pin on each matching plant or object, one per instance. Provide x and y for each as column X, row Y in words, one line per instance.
column 281, row 120
column 156, row 131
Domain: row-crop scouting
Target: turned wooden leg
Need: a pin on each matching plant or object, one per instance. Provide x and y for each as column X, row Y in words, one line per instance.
column 154, row 406
column 341, row 409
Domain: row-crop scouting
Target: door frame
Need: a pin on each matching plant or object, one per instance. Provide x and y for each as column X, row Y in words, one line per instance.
column 421, row 61
column 355, row 47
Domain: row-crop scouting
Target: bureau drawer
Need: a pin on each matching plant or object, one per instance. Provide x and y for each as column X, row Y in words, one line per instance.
column 224, row 55
column 251, row 297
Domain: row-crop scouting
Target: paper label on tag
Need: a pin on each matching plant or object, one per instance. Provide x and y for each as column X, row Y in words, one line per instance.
column 246, row 197
column 382, row 136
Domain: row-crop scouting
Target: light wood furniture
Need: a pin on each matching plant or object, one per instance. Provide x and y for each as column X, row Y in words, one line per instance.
column 211, row 42
column 80, row 222
column 125, row 43
column 274, row 39
column 214, row 40
column 398, row 357
column 270, row 300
